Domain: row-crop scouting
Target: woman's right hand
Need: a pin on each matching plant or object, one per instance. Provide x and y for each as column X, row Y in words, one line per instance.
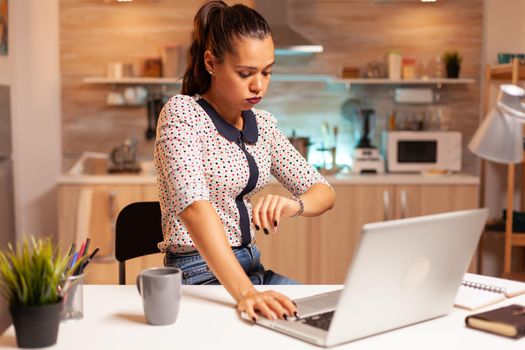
column 270, row 209
column 271, row 304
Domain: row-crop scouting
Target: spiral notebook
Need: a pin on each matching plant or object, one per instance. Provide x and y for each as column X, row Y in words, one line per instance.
column 478, row 291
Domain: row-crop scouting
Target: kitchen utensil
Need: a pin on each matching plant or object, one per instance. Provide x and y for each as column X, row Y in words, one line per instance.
column 366, row 156
column 154, row 105
column 124, row 157
column 114, row 98
column 301, row 144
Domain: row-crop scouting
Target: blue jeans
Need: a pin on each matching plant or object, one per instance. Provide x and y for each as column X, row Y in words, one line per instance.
column 196, row 271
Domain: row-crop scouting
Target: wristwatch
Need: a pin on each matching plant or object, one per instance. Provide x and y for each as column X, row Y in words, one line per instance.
column 301, row 206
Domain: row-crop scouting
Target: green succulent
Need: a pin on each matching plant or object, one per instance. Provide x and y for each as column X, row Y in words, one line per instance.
column 452, row 58
column 33, row 273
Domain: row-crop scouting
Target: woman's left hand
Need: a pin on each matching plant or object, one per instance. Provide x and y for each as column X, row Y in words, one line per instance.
column 270, row 209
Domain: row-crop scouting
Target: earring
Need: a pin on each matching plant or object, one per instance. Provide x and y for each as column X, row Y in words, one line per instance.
column 211, row 73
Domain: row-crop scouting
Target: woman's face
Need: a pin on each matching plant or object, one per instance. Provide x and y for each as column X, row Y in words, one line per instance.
column 242, row 79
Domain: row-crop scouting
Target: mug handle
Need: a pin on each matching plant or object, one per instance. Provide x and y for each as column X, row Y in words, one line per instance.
column 138, row 284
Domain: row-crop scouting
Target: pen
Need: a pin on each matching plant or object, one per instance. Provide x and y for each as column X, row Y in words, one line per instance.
column 74, row 260
column 81, row 250
column 81, row 254
column 71, row 249
column 88, row 260
column 86, row 249
column 70, row 254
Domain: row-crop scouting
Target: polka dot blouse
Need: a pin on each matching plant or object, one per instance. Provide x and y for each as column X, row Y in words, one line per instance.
column 199, row 156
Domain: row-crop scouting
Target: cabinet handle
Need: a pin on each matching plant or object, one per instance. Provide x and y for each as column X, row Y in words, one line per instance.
column 403, row 198
column 112, row 200
column 386, row 205
column 112, row 213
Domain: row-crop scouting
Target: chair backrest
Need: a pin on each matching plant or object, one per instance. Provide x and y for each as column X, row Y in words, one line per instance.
column 138, row 230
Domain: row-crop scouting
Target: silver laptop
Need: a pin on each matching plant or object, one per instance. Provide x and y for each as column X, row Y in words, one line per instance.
column 404, row 272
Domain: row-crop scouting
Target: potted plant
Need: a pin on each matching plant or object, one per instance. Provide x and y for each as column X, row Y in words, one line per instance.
column 452, row 62
column 31, row 279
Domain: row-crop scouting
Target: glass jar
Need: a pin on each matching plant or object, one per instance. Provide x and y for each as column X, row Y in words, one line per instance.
column 409, row 68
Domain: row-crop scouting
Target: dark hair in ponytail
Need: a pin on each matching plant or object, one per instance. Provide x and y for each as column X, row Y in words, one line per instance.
column 216, row 27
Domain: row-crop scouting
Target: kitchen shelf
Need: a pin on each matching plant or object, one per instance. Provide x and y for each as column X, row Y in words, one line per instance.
column 385, row 81
column 133, row 81
column 303, row 78
column 323, row 78
column 505, row 71
column 176, row 81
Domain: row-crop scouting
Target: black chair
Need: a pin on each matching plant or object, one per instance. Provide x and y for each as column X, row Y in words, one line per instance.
column 138, row 230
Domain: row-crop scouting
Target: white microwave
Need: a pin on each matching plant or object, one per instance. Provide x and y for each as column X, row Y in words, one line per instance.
column 415, row 151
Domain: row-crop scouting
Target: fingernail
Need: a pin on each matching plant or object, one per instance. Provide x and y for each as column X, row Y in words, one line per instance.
column 265, row 231
column 253, row 319
column 257, row 228
column 275, row 223
column 296, row 314
column 294, row 303
column 285, row 316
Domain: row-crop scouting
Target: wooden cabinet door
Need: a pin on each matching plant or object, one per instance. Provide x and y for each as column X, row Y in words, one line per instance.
column 336, row 232
column 287, row 251
column 417, row 200
column 91, row 211
column 150, row 193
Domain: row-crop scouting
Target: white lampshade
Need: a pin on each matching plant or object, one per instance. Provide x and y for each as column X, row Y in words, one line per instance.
column 499, row 138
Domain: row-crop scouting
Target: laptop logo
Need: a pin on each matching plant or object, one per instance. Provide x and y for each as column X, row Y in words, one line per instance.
column 417, row 273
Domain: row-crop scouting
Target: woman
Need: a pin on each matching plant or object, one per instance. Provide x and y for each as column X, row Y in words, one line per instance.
column 214, row 151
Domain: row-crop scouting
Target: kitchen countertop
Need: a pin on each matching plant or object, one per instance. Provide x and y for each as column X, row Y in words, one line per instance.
column 337, row 179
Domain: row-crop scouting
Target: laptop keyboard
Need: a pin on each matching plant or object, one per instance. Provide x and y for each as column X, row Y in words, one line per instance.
column 321, row 321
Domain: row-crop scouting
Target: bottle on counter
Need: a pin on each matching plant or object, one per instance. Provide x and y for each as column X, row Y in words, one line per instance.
column 392, row 120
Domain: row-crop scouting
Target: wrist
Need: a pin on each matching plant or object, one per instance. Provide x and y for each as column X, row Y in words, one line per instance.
column 244, row 293
column 299, row 201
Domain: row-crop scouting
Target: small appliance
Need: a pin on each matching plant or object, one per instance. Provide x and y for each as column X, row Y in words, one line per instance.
column 366, row 157
column 124, row 157
column 416, row 151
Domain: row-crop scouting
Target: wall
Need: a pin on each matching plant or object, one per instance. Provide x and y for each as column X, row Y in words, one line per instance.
column 31, row 70
column 36, row 114
column 94, row 33
column 352, row 32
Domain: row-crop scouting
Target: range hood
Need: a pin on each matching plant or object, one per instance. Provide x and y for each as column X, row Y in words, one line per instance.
column 287, row 41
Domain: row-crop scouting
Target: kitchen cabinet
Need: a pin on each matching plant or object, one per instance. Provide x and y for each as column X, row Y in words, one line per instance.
column 319, row 250
column 287, row 251
column 417, row 200
column 337, row 231
column 91, row 211
column 310, row 250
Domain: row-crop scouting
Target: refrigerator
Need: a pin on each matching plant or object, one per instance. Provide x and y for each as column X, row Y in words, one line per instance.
column 7, row 212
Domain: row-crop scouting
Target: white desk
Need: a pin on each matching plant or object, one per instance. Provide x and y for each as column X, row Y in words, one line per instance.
column 113, row 319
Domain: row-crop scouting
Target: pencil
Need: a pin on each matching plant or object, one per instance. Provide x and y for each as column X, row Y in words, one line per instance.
column 88, row 260
column 70, row 254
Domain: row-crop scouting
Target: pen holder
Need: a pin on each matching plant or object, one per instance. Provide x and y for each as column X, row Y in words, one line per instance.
column 73, row 298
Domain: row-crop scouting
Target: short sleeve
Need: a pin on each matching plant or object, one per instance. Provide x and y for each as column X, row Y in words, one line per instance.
column 178, row 157
column 288, row 166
